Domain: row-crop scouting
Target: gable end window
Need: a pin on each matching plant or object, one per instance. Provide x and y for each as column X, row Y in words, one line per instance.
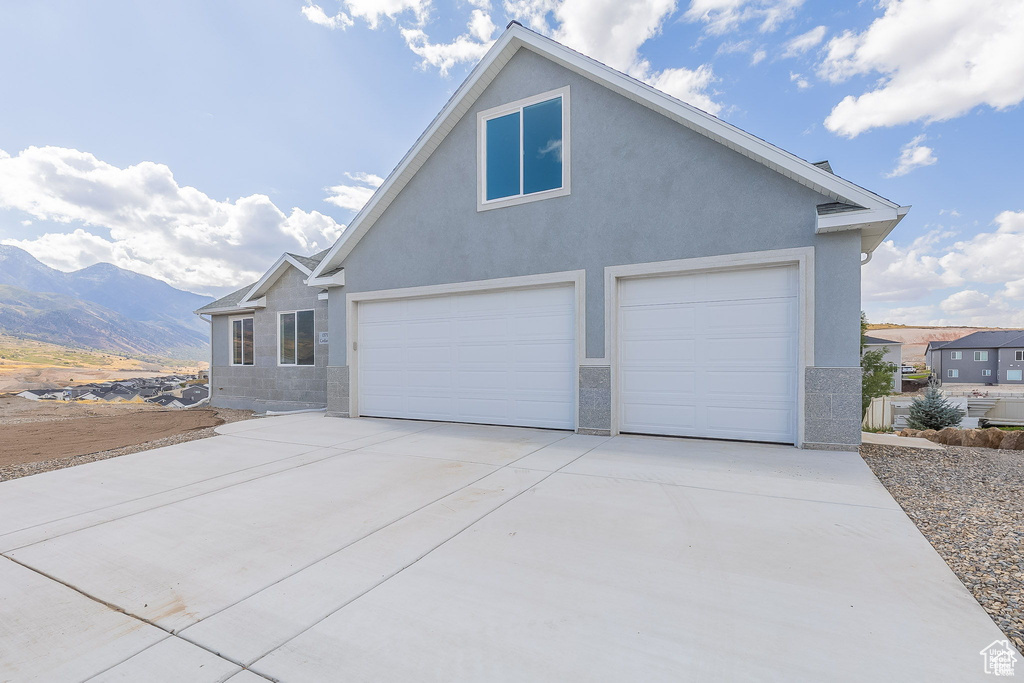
column 295, row 338
column 523, row 151
column 981, row 355
column 241, row 341
column 956, row 355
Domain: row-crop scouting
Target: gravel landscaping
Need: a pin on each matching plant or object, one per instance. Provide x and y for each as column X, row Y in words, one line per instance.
column 24, row 469
column 969, row 504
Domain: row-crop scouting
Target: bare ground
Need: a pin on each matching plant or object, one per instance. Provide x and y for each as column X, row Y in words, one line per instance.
column 37, row 436
column 969, row 504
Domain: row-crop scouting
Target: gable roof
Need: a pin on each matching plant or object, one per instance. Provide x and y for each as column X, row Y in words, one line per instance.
column 985, row 339
column 246, row 297
column 874, row 211
column 878, row 341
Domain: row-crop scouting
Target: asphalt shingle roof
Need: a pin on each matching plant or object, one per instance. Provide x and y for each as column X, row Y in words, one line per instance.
column 879, row 340
column 986, row 339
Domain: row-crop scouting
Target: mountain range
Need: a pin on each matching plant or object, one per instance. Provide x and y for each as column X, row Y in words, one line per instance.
column 100, row 307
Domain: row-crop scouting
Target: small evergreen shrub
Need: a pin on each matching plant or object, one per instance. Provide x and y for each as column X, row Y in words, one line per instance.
column 933, row 410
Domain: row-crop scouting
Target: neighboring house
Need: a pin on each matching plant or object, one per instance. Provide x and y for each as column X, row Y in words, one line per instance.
column 40, row 394
column 567, row 247
column 987, row 357
column 893, row 354
column 195, row 393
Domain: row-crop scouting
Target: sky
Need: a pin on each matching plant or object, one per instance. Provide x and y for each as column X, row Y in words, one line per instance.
column 196, row 141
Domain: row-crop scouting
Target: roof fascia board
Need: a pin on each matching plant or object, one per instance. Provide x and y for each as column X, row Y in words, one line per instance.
column 271, row 276
column 336, row 280
column 224, row 309
column 502, row 51
column 246, row 304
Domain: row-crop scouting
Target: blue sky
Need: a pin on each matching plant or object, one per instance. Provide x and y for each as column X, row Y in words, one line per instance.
column 161, row 136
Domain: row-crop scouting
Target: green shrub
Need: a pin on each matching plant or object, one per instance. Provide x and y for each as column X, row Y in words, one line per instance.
column 933, row 410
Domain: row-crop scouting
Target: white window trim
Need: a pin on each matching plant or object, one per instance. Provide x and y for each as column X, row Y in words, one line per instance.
column 1018, row 355
column 952, row 372
column 981, row 355
column 986, row 373
column 484, row 204
column 956, row 355
column 296, row 363
column 231, row 341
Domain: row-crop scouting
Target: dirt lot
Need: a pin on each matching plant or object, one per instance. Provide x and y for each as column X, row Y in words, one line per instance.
column 36, row 436
column 969, row 504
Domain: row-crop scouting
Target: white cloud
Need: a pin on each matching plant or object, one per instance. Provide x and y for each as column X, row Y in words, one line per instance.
column 937, row 59
column 987, row 261
column 913, row 155
column 317, row 15
column 372, row 11
column 722, row 16
column 157, row 227
column 466, row 48
column 804, row 42
column 612, row 32
column 801, row 82
column 758, row 57
column 353, row 197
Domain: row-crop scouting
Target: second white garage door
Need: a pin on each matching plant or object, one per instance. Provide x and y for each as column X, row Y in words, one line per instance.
column 505, row 357
column 710, row 354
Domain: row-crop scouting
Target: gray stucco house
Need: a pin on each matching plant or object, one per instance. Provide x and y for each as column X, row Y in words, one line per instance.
column 893, row 354
column 987, row 357
column 567, row 247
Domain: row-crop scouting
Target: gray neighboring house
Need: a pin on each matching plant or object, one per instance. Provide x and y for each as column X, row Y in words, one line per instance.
column 893, row 354
column 986, row 357
column 567, row 247
column 250, row 368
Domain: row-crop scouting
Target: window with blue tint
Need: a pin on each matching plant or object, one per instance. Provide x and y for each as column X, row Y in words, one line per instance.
column 542, row 146
column 503, row 155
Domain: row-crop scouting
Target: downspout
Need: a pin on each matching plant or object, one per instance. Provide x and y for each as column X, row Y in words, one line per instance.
column 209, row 371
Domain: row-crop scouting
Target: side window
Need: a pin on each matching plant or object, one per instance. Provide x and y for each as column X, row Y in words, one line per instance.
column 295, row 338
column 981, row 355
column 986, row 373
column 241, row 341
column 952, row 373
column 1018, row 355
column 1014, row 375
column 524, row 150
column 956, row 355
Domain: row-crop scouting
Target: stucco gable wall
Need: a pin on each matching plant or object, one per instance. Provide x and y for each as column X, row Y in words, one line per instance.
column 644, row 189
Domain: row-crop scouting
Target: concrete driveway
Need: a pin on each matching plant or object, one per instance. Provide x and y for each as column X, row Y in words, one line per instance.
column 304, row 548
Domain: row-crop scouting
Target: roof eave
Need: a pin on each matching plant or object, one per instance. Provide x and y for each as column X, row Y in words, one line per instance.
column 874, row 224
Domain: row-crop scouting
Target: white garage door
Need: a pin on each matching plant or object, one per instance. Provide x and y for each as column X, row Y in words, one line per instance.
column 710, row 354
column 504, row 357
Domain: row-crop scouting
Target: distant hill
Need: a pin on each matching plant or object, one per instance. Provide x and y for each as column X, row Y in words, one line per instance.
column 102, row 307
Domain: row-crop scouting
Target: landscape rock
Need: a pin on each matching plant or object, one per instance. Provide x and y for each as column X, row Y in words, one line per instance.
column 929, row 434
column 994, row 436
column 951, row 436
column 1012, row 441
column 908, row 432
column 974, row 438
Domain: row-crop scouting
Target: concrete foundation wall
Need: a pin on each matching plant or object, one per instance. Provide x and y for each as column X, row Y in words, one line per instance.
column 833, row 411
column 265, row 385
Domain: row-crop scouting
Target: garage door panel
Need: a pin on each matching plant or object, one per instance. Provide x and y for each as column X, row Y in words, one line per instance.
column 669, row 319
column 669, row 380
column 710, row 354
column 753, row 351
column 495, row 357
column 643, row 352
column 777, row 385
column 657, row 417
